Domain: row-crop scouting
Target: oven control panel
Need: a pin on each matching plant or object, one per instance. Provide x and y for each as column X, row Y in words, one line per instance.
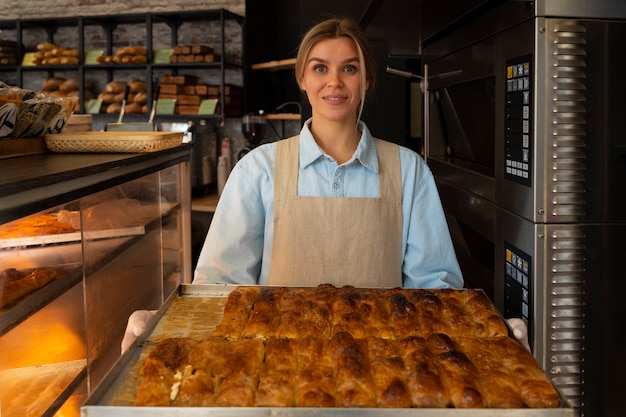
column 517, row 123
column 517, row 285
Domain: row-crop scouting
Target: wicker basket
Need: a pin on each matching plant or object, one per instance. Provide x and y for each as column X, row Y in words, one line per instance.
column 113, row 142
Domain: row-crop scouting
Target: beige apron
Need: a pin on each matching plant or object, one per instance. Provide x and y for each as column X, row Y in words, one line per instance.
column 336, row 240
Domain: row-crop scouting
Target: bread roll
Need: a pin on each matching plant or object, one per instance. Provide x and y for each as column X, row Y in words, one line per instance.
column 107, row 98
column 53, row 83
column 141, row 97
column 115, row 87
column 70, row 85
column 133, row 108
column 137, row 86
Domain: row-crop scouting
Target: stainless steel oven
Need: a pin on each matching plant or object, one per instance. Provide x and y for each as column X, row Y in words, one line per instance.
column 525, row 132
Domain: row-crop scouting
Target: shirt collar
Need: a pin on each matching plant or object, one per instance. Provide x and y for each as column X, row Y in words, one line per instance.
column 365, row 151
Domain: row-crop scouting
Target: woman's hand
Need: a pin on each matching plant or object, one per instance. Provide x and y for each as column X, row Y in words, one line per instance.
column 520, row 331
column 136, row 326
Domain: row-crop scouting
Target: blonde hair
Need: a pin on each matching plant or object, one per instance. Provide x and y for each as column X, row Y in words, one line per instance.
column 332, row 29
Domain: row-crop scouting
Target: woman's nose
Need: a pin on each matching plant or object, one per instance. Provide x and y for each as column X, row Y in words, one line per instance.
column 334, row 78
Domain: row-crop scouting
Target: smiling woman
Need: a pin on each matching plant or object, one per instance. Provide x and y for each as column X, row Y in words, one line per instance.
column 347, row 35
column 312, row 209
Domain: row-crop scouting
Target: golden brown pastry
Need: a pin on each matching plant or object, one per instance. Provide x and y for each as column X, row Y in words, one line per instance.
column 334, row 347
column 15, row 285
column 160, row 382
column 315, row 379
column 36, row 225
column 236, row 311
column 389, row 373
column 487, row 320
column 276, row 388
column 501, row 390
column 535, row 388
column 347, row 313
column 458, row 375
column 423, row 379
column 264, row 318
column 353, row 375
column 240, row 373
column 403, row 315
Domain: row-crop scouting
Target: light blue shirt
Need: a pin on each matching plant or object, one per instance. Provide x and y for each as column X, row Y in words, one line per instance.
column 238, row 246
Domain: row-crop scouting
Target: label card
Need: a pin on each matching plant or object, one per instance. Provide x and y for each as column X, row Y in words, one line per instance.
column 93, row 106
column 90, row 56
column 28, row 60
column 208, row 106
column 165, row 106
column 162, row 56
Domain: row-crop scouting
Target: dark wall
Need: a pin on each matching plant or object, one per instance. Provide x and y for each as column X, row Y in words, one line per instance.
column 274, row 29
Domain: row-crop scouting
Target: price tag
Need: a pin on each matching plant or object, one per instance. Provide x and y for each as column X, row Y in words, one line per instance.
column 90, row 57
column 29, row 59
column 162, row 56
column 93, row 106
column 208, row 106
column 166, row 106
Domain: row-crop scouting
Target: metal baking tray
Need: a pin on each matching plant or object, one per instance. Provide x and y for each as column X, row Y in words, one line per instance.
column 194, row 311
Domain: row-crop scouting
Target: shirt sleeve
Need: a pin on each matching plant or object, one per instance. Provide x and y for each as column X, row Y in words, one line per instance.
column 233, row 248
column 429, row 258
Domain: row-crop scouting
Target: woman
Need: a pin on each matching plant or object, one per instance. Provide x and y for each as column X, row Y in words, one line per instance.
column 332, row 205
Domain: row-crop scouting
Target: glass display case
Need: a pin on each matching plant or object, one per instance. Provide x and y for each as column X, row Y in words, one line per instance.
column 85, row 240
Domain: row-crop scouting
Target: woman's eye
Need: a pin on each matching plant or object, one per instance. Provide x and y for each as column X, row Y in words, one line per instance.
column 350, row 68
column 319, row 68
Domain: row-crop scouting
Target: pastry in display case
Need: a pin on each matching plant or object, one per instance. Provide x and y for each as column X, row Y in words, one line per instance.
column 72, row 273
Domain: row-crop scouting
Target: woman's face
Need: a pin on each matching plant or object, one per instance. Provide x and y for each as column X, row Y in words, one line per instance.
column 332, row 80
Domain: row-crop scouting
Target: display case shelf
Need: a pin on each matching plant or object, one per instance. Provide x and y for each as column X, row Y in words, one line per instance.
column 61, row 340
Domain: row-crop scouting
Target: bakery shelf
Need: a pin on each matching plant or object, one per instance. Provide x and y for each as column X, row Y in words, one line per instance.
column 49, row 385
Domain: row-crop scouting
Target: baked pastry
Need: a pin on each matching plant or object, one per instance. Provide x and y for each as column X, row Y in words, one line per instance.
column 349, row 347
column 236, row 312
column 276, row 388
column 15, row 284
column 36, row 225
